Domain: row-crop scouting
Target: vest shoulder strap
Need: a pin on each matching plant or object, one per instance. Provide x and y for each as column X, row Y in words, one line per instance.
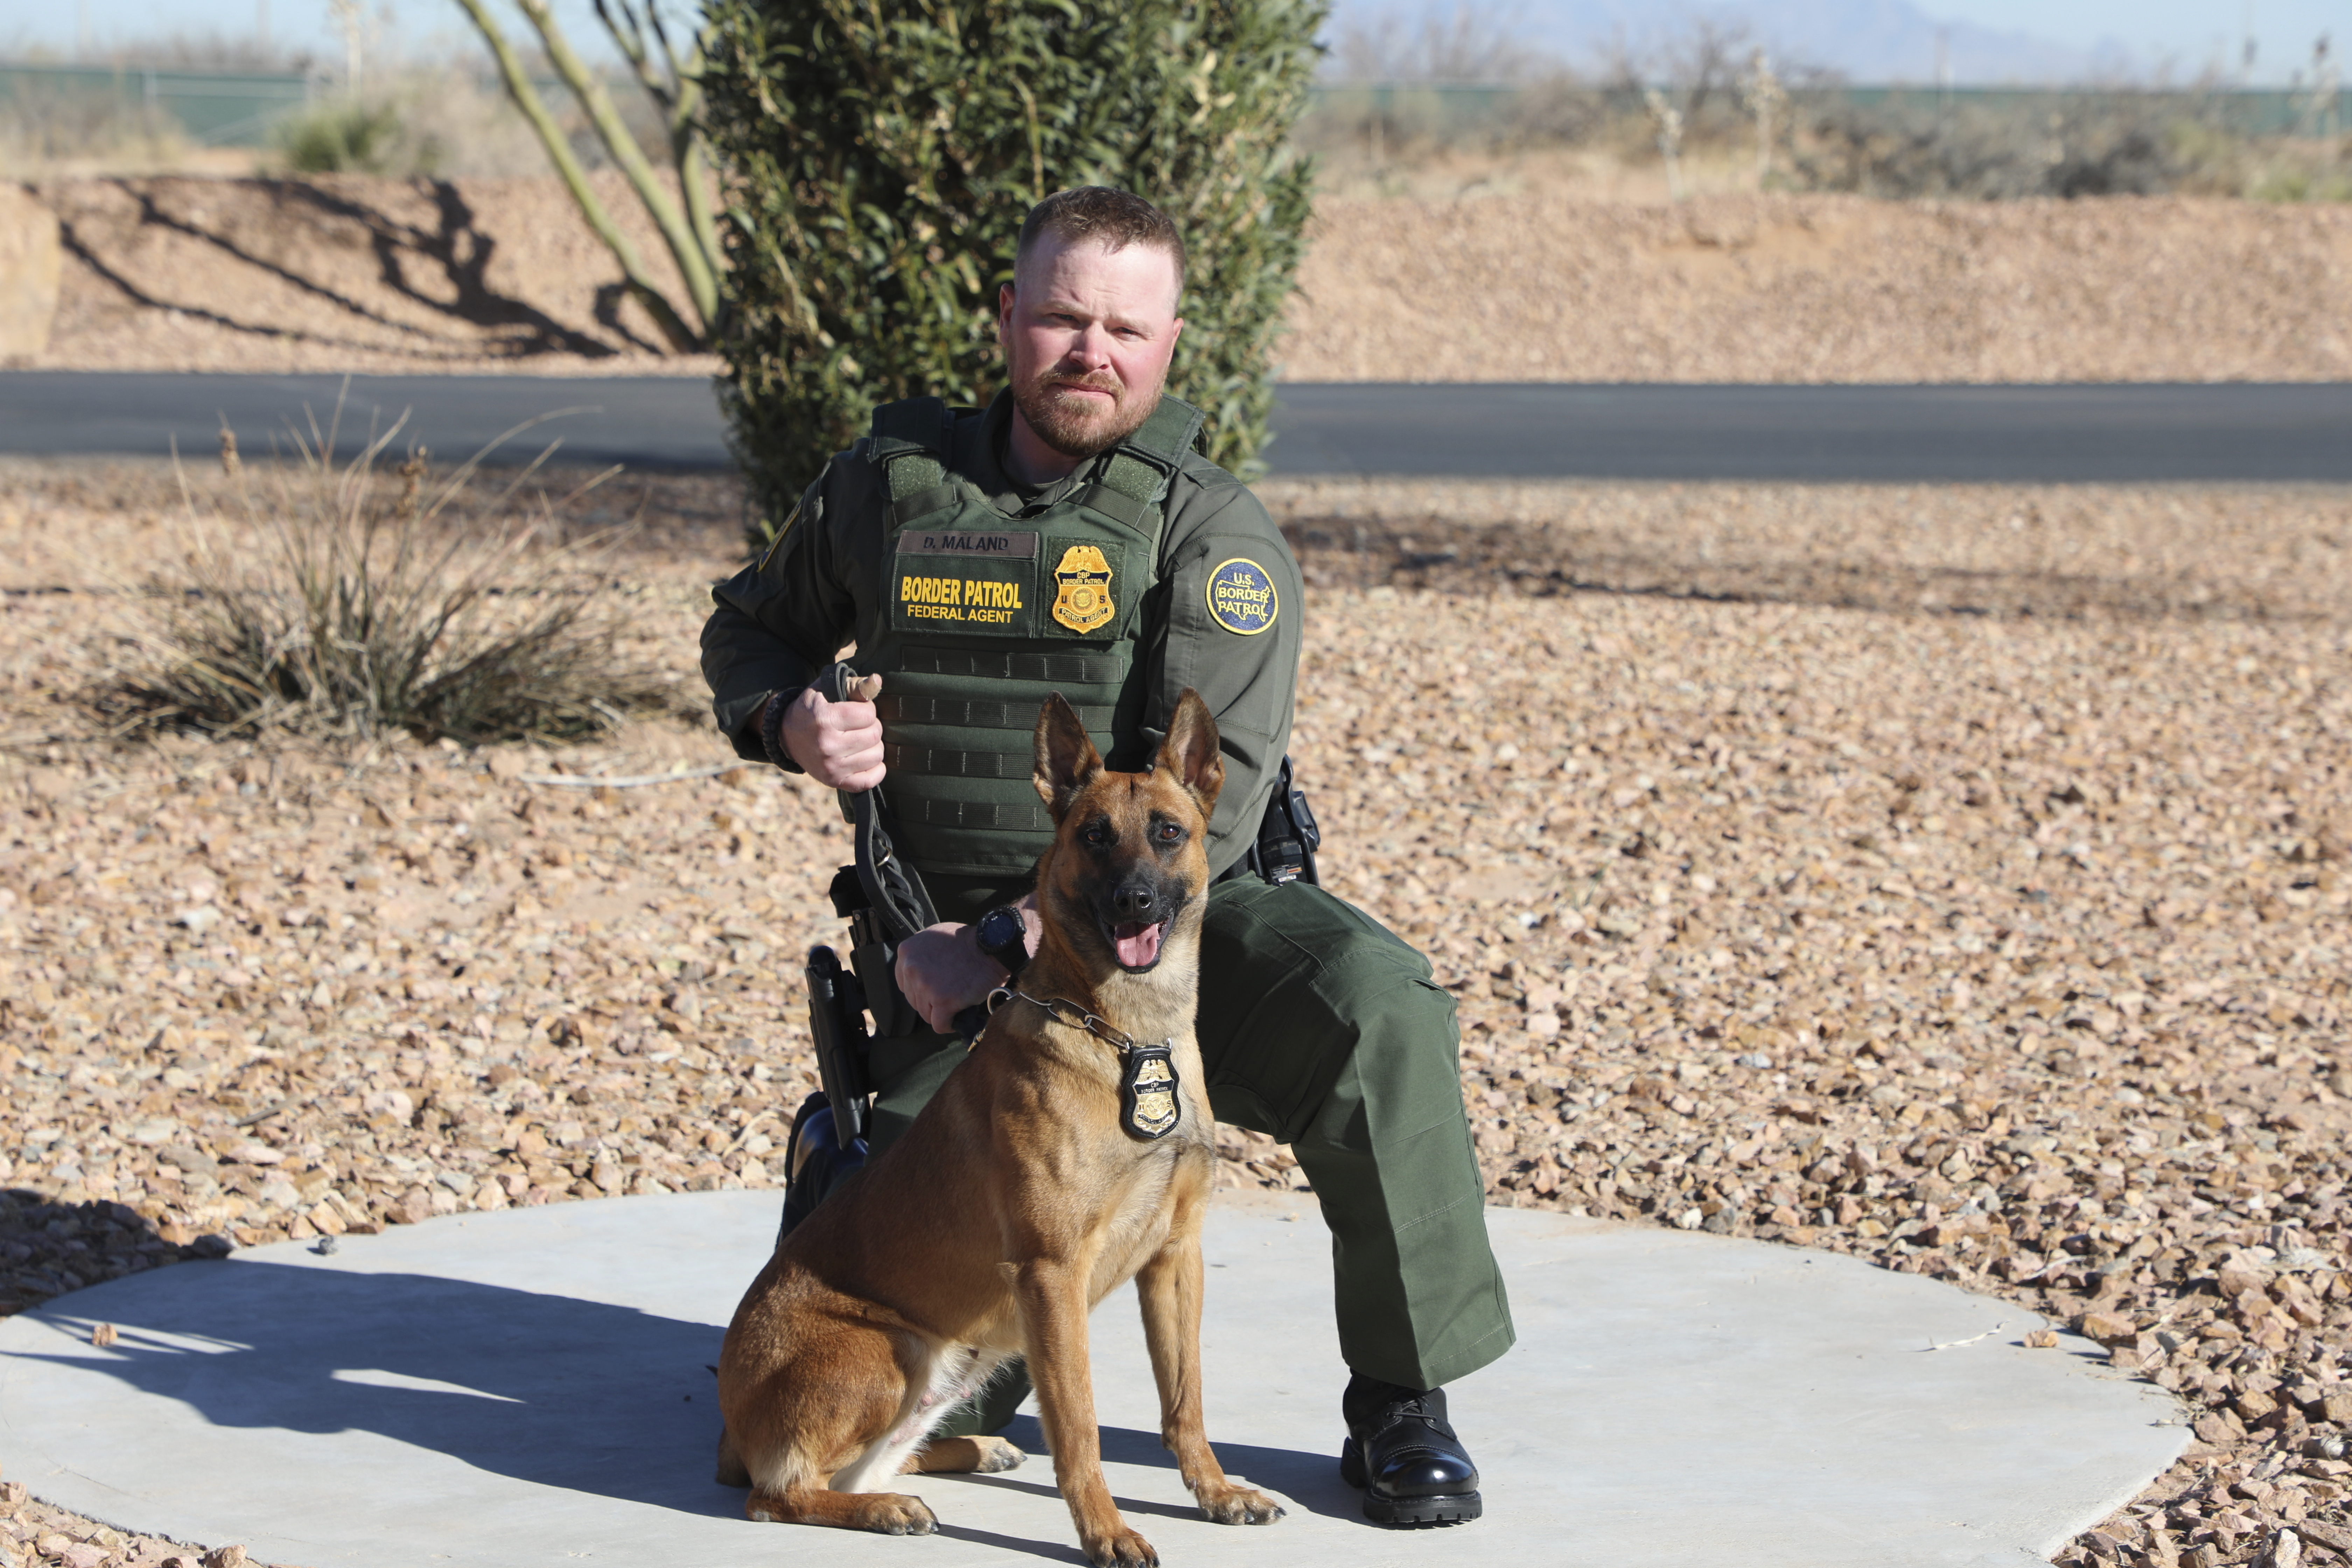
column 913, row 442
column 1141, row 467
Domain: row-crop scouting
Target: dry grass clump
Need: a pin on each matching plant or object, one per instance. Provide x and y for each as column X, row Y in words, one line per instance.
column 338, row 605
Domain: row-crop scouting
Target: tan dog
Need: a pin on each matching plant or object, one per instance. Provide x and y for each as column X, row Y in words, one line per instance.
column 1029, row 1188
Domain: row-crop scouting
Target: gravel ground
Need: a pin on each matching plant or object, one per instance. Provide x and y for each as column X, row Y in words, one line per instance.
column 1952, row 877
column 1539, row 285
column 1540, row 281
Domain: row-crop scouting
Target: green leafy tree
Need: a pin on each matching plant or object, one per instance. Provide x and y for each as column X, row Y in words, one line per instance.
column 880, row 155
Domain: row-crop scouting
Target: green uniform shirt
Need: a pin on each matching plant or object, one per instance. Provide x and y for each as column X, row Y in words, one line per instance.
column 781, row 623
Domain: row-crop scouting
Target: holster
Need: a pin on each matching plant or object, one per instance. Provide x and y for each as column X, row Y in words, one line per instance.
column 1287, row 836
column 874, row 956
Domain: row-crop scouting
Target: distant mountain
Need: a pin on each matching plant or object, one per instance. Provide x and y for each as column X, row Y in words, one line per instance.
column 1865, row 41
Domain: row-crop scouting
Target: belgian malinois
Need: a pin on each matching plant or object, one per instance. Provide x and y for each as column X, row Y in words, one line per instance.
column 1071, row 1150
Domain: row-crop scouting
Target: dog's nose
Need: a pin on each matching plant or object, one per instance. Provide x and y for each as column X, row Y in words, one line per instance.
column 1132, row 904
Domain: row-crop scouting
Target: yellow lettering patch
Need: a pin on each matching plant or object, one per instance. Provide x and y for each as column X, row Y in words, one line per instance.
column 977, row 600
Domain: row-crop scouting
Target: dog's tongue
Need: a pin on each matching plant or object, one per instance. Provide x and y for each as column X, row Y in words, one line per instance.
column 1137, row 943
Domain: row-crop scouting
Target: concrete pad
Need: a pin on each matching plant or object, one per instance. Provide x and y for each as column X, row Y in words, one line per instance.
column 529, row 1388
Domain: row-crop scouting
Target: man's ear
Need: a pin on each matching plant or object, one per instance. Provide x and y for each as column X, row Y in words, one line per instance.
column 1004, row 312
column 1190, row 752
column 1067, row 759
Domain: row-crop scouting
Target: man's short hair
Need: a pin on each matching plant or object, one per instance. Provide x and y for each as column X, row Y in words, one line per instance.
column 1117, row 218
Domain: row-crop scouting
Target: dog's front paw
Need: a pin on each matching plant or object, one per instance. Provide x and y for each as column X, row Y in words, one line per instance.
column 896, row 1513
column 1231, row 1504
column 1120, row 1549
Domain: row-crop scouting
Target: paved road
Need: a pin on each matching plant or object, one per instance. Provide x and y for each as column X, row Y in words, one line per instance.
column 2027, row 434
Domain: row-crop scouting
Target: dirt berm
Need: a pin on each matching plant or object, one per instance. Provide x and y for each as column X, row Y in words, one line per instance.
column 362, row 274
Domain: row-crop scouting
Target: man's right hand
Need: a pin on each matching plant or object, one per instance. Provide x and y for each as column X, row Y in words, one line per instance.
column 837, row 743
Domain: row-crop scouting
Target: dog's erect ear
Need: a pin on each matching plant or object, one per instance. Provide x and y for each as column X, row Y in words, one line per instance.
column 1066, row 758
column 1190, row 753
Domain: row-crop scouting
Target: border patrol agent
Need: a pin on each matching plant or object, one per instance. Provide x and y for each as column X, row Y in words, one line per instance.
column 1130, row 570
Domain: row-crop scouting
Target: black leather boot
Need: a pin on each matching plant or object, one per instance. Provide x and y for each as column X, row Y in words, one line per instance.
column 1403, row 1454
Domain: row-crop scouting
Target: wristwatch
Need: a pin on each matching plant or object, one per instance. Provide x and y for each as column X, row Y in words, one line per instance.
column 771, row 731
column 1004, row 937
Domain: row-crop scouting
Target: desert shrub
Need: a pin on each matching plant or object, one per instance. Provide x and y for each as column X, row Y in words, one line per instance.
column 339, row 604
column 340, row 137
column 2087, row 145
column 882, row 155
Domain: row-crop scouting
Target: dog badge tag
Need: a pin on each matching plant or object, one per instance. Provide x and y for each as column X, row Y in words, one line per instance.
column 1148, row 1092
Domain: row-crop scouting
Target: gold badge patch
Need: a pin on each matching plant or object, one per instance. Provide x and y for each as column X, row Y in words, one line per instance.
column 1084, row 602
column 1149, row 1090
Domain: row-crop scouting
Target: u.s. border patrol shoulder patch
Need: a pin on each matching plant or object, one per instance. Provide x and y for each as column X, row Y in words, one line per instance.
column 1242, row 597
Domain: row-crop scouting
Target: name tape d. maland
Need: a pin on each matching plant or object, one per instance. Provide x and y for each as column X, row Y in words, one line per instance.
column 927, row 593
column 973, row 544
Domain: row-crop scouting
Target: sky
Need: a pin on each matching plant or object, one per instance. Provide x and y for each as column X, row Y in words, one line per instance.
column 2190, row 32
column 2188, row 35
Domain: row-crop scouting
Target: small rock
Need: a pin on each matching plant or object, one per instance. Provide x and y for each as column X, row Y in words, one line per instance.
column 2107, row 1328
column 2042, row 1340
column 103, row 1335
column 224, row 1557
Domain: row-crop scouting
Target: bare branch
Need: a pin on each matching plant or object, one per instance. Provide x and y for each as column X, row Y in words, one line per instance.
column 697, row 265
column 682, row 338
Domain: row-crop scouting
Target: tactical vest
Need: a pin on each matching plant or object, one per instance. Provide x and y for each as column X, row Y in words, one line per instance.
column 984, row 615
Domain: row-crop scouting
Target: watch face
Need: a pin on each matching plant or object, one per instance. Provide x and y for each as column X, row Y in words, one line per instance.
column 1000, row 930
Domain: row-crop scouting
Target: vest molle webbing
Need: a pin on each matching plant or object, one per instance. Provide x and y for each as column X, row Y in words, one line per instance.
column 984, row 614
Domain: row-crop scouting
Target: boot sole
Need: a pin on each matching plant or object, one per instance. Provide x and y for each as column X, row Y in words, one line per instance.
column 1457, row 1508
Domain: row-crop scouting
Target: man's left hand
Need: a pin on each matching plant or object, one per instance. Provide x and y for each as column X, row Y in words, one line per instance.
column 942, row 970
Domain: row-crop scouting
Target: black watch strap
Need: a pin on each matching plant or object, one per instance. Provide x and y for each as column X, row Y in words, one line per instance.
column 771, row 731
column 1004, row 937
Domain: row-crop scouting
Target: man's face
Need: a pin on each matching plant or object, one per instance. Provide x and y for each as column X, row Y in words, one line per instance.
column 1087, row 332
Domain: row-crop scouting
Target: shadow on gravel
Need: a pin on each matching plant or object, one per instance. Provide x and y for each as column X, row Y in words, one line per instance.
column 1532, row 559
column 48, row 1248
column 444, row 267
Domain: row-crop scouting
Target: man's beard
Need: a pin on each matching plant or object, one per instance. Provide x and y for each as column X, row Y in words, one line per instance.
column 1078, row 426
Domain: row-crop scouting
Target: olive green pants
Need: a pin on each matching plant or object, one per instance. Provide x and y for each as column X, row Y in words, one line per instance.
column 1320, row 1028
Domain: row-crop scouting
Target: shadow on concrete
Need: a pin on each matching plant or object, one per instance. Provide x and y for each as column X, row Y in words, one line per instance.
column 1309, row 1480
column 547, row 1389
column 559, row 1391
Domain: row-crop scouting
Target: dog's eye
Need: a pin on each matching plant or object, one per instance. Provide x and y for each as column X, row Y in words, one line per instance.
column 1096, row 833
column 1169, row 833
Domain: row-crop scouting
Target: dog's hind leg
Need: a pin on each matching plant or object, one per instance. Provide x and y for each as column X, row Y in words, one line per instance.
column 1169, row 1286
column 965, row 1455
column 812, row 1416
column 954, row 1373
